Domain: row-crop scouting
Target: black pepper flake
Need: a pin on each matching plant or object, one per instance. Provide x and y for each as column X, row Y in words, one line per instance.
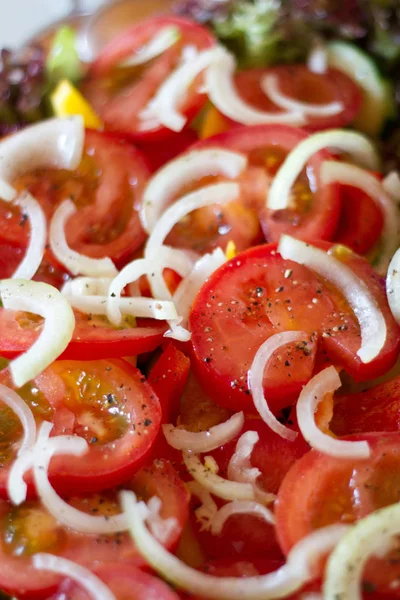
column 287, row 363
column 147, row 422
column 207, row 360
column 93, row 440
column 23, row 219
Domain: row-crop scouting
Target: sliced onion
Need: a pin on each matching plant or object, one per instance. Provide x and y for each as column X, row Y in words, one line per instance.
column 56, row 143
column 393, row 286
column 343, row 577
column 176, row 332
column 241, row 470
column 75, row 262
column 256, row 378
column 325, row 382
column 370, row 318
column 219, row 193
column 162, row 529
column 224, row 95
column 240, row 507
column 317, row 61
column 37, row 240
column 164, row 186
column 334, row 171
column 187, row 290
column 163, row 39
column 300, row 567
column 87, row 580
column 165, row 105
column 208, row 509
column 204, row 441
column 137, row 307
column 59, row 323
column 165, row 257
column 355, row 144
column 391, row 185
column 270, row 87
column 24, row 414
column 87, row 286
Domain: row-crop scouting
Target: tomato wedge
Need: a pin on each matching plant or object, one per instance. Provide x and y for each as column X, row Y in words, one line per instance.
column 106, row 189
column 317, row 207
column 119, row 93
column 28, row 528
column 258, row 294
column 320, row 490
column 108, row 403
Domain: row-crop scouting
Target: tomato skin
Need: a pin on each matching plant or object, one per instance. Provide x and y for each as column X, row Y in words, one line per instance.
column 119, row 113
column 157, row 154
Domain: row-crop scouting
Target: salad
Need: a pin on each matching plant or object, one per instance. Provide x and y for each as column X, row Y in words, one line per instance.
column 200, row 308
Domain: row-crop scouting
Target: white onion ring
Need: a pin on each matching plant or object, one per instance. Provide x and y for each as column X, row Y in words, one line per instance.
column 137, row 307
column 393, row 286
column 391, row 185
column 37, row 240
column 24, row 414
column 161, row 41
column 86, row 286
column 317, row 60
column 240, row 507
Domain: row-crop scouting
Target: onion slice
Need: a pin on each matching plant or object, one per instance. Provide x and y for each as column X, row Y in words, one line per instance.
column 75, row 262
column 56, row 143
column 137, row 307
column 219, row 193
column 355, row 144
column 24, row 414
column 59, row 323
column 224, row 95
column 256, row 377
column 317, row 61
column 165, row 185
column 37, row 240
column 391, row 185
column 343, row 576
column 298, row 570
column 393, row 286
column 164, row 106
column 325, row 382
column 370, row 318
column 334, row 171
column 208, row 509
column 87, row 580
column 204, row 441
column 240, row 507
column 86, row 286
column 270, row 87
column 163, row 39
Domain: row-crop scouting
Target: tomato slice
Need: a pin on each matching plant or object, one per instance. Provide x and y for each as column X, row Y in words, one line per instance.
column 108, row 403
column 120, row 93
column 93, row 336
column 126, row 583
column 158, row 154
column 317, row 207
column 320, row 490
column 28, row 529
column 297, row 82
column 106, row 189
column 258, row 294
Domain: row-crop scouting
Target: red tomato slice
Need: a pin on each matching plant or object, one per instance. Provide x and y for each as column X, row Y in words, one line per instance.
column 108, row 403
column 258, row 294
column 28, row 528
column 297, row 82
column 320, row 490
column 361, row 220
column 126, row 583
column 106, row 188
column 94, row 337
column 376, row 409
column 119, row 94
column 317, row 206
column 158, row 154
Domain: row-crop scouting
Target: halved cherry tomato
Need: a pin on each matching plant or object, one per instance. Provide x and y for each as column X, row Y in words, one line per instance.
column 108, row 403
column 320, row 490
column 119, row 93
column 158, row 154
column 317, row 207
column 258, row 294
column 375, row 409
column 126, row 583
column 28, row 528
column 297, row 82
column 106, row 189
column 93, row 337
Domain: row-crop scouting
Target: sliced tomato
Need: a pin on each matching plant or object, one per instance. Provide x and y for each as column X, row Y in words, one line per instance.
column 320, row 490
column 158, row 154
column 93, row 337
column 375, row 409
column 317, row 207
column 297, row 82
column 120, row 93
column 258, row 294
column 28, row 528
column 361, row 220
column 106, row 189
column 108, row 403
column 126, row 583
